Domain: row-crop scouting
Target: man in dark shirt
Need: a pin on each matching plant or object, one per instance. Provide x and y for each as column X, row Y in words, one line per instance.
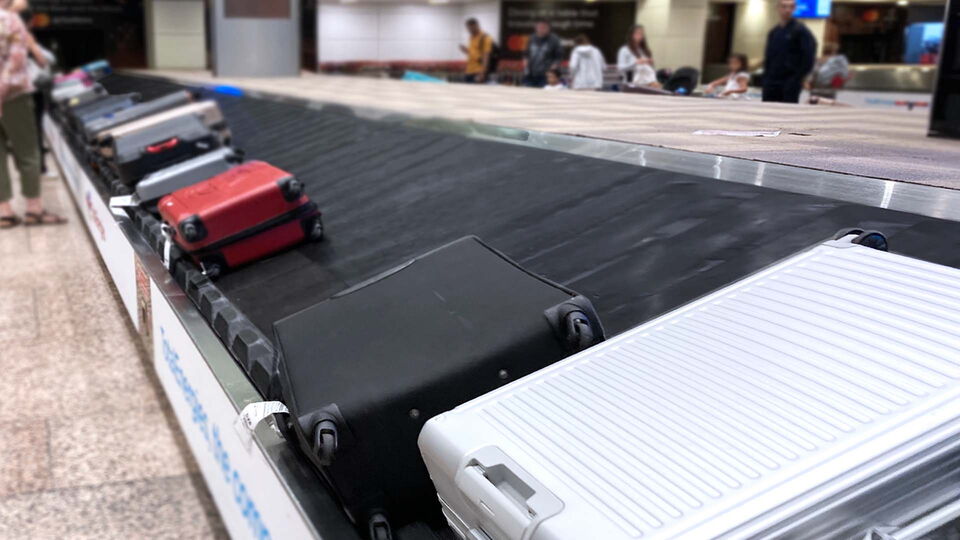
column 791, row 50
column 544, row 52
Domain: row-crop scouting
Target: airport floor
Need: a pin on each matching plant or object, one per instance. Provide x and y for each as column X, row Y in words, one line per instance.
column 88, row 445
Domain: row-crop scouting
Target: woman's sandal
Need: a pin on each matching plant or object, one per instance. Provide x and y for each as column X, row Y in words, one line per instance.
column 9, row 222
column 33, row 219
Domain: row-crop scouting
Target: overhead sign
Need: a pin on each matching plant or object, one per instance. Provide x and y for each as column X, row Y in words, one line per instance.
column 812, row 9
column 605, row 23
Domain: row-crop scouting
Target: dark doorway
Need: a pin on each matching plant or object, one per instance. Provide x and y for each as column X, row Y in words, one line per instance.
column 718, row 40
column 82, row 31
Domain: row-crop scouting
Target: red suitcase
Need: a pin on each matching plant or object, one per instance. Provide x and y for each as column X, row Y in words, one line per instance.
column 239, row 216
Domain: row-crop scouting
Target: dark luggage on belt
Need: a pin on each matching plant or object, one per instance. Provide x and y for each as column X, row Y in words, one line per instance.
column 160, row 146
column 187, row 173
column 362, row 371
column 78, row 117
column 236, row 217
column 107, row 121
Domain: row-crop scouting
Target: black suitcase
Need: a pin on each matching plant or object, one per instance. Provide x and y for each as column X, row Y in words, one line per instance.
column 80, row 115
column 93, row 127
column 362, row 371
column 160, row 146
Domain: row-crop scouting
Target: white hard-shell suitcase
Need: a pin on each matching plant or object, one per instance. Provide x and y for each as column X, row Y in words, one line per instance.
column 187, row 173
column 818, row 398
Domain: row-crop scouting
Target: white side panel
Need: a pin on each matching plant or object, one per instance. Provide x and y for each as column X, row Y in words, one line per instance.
column 115, row 251
column 344, row 22
column 250, row 499
column 248, row 492
column 779, row 390
column 176, row 34
column 412, row 32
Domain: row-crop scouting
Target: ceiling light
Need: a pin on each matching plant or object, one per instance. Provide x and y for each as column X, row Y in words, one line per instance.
column 902, row 2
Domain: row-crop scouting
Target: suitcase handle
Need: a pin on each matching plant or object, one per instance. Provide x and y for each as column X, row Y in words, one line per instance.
column 511, row 515
column 163, row 146
column 503, row 496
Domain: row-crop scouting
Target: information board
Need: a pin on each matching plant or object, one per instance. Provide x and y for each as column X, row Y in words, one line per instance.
column 605, row 23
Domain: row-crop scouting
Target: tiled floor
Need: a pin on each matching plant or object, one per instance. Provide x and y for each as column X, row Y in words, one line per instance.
column 88, row 445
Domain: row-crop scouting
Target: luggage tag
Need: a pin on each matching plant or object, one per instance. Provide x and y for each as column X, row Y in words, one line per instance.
column 251, row 415
column 167, row 232
column 124, row 201
column 118, row 203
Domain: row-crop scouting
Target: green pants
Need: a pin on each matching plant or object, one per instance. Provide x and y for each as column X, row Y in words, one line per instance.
column 18, row 134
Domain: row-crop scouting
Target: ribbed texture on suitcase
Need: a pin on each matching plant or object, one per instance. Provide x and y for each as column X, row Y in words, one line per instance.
column 718, row 396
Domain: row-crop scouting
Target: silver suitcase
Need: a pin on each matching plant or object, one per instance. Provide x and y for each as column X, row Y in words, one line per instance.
column 208, row 111
column 818, row 398
column 141, row 110
column 187, row 173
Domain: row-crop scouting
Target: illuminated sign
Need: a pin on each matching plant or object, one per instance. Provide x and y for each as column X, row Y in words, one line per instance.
column 812, row 9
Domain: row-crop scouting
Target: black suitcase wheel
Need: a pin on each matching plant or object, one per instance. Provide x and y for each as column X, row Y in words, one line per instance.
column 579, row 332
column 291, row 188
column 314, row 229
column 325, row 441
column 872, row 239
column 379, row 528
column 212, row 267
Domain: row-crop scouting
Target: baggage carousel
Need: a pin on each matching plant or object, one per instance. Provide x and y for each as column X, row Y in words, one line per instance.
column 637, row 240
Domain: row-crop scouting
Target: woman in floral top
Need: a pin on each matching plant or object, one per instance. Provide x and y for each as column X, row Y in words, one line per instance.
column 18, row 130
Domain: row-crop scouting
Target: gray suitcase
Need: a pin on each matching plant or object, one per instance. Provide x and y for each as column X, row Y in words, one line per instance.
column 819, row 398
column 76, row 95
column 207, row 110
column 186, row 173
column 142, row 110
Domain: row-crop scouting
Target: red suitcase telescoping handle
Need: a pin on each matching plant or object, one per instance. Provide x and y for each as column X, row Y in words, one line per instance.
column 163, row 146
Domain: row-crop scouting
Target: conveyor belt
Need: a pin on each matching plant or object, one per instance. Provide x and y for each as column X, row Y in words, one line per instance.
column 638, row 241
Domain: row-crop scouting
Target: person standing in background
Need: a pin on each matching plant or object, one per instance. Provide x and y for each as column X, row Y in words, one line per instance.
column 544, row 52
column 18, row 129
column 790, row 52
column 41, row 73
column 478, row 52
column 586, row 65
column 635, row 61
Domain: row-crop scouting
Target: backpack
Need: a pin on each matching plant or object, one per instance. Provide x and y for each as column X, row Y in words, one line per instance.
column 494, row 61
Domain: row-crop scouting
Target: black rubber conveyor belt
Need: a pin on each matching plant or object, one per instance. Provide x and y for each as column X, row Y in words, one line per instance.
column 638, row 241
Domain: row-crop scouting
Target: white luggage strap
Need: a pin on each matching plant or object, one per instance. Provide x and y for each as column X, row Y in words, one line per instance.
column 251, row 416
column 167, row 233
